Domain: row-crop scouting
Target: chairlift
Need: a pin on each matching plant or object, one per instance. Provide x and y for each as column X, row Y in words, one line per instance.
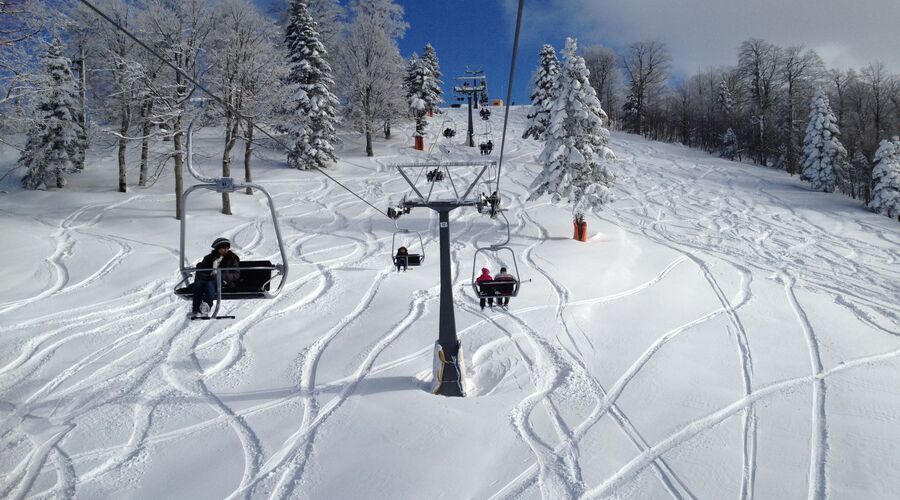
column 485, row 114
column 435, row 175
column 257, row 276
column 411, row 259
column 486, row 147
column 497, row 288
column 449, row 133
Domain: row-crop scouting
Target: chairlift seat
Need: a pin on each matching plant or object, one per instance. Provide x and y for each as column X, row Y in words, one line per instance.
column 498, row 289
column 413, row 259
column 252, row 285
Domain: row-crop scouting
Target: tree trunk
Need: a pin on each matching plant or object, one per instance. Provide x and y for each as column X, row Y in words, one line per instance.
column 82, row 95
column 145, row 141
column 231, row 126
column 123, row 185
column 248, row 152
column 387, row 128
column 179, row 168
column 369, row 150
column 123, row 143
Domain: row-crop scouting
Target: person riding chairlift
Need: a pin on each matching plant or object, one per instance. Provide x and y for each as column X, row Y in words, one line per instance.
column 402, row 259
column 485, row 276
column 204, row 290
column 504, row 276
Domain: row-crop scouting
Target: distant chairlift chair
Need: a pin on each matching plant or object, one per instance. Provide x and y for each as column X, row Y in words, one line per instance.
column 412, row 259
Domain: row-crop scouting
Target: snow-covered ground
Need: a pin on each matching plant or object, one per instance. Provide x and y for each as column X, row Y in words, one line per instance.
column 725, row 333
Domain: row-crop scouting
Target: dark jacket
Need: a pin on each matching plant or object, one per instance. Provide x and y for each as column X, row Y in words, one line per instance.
column 230, row 259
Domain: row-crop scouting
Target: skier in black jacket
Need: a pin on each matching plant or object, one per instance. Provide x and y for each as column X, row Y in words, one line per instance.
column 204, row 292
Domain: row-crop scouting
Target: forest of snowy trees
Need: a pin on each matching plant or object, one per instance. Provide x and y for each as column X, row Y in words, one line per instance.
column 333, row 64
column 757, row 110
column 325, row 63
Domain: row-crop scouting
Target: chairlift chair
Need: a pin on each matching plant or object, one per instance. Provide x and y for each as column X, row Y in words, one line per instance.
column 485, row 113
column 496, row 288
column 412, row 259
column 256, row 275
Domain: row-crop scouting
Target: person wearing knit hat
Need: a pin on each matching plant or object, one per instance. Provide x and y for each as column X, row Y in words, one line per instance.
column 204, row 289
column 485, row 276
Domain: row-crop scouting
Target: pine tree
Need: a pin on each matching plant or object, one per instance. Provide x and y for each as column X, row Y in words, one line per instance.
column 410, row 78
column 541, row 95
column 729, row 145
column 56, row 141
column 724, row 99
column 313, row 104
column 576, row 155
column 886, row 179
column 632, row 114
column 418, row 79
column 434, row 94
column 824, row 155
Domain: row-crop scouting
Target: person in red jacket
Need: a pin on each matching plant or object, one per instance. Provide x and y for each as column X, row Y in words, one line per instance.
column 485, row 276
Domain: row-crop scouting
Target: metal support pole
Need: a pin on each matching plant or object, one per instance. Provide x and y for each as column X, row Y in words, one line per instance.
column 447, row 328
column 449, row 372
column 470, row 134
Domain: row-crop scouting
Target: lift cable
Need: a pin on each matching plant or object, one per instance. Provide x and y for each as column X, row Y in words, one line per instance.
column 512, row 72
column 217, row 98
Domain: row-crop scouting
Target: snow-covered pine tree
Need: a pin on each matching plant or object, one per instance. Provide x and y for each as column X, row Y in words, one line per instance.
column 312, row 103
column 56, row 140
column 632, row 116
column 886, row 179
column 542, row 94
column 729, row 145
column 724, row 99
column 418, row 78
column 410, row 77
column 434, row 94
column 576, row 154
column 823, row 153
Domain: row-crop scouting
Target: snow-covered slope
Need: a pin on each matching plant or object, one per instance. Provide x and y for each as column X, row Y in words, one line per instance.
column 725, row 333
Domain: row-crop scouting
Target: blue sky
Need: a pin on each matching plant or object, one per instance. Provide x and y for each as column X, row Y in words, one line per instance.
column 473, row 33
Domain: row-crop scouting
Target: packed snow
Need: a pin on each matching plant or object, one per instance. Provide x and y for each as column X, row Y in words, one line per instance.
column 725, row 332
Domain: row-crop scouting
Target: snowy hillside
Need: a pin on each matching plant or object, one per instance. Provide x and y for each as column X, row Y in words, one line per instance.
column 724, row 333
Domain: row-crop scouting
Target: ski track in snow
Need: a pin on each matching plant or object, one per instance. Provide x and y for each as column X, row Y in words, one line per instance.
column 139, row 344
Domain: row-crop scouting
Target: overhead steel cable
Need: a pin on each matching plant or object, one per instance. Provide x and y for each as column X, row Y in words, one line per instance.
column 512, row 72
column 217, row 98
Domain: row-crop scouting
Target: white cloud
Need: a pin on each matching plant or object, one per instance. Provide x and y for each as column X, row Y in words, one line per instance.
column 704, row 33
